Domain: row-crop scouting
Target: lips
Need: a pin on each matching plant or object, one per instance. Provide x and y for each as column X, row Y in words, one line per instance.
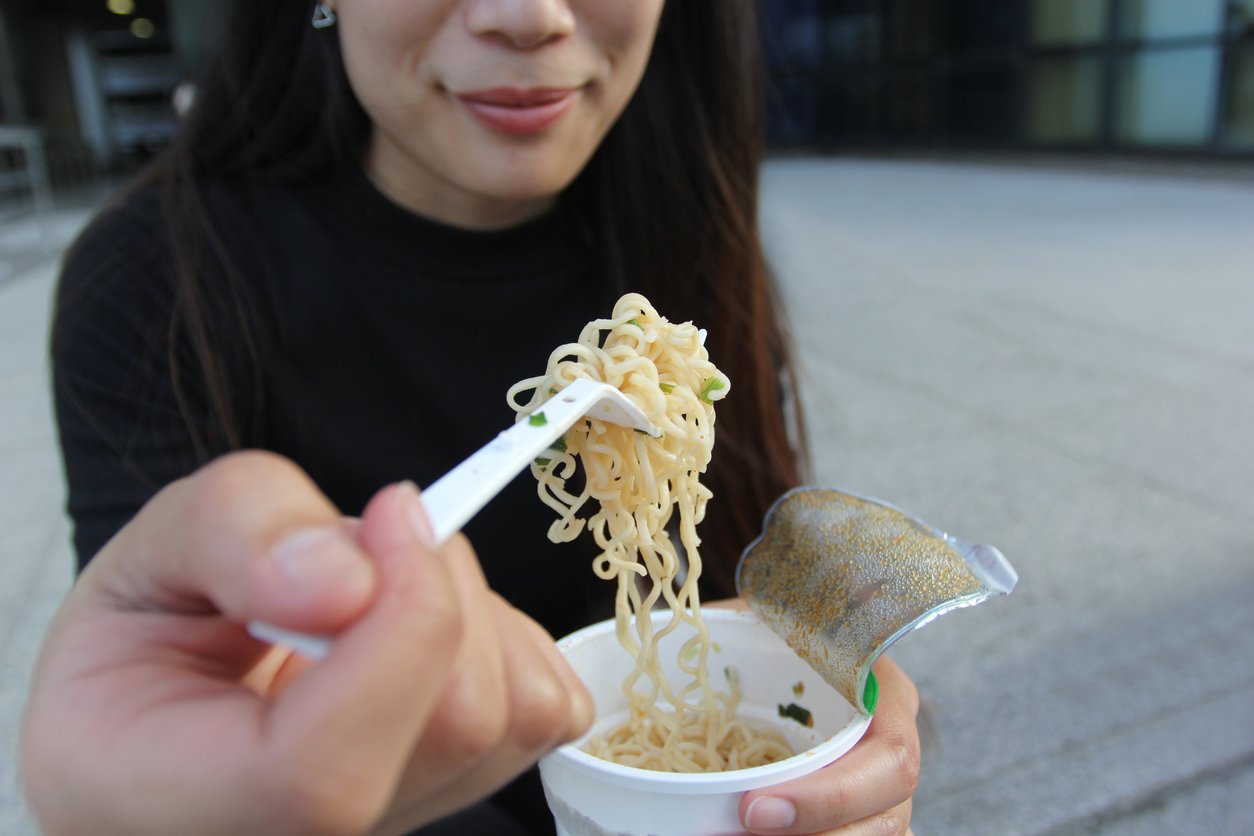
column 513, row 110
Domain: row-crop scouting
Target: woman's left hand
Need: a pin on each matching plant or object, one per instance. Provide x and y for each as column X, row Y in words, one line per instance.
column 868, row 790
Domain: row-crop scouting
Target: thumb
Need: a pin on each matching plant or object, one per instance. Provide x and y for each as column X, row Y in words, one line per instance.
column 315, row 578
column 249, row 536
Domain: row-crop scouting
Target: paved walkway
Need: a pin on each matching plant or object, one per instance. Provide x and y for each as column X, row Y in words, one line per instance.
column 1056, row 361
column 35, row 557
column 1061, row 363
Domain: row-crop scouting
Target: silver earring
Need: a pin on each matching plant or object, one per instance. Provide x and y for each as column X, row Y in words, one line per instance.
column 323, row 16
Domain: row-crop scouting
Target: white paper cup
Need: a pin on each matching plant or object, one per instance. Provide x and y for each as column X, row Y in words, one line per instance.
column 593, row 797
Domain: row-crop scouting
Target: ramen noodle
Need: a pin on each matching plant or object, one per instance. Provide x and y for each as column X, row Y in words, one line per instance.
column 648, row 492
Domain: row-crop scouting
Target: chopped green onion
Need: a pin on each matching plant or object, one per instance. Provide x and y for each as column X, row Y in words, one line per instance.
column 792, row 711
column 636, row 323
column 712, row 385
column 558, row 446
column 666, row 387
column 537, row 419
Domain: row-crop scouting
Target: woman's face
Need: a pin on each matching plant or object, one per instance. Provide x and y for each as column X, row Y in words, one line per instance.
column 484, row 110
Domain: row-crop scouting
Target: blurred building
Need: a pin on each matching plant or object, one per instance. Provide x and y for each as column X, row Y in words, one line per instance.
column 92, row 82
column 1125, row 76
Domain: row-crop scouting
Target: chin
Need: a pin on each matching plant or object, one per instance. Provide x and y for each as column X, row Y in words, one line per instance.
column 528, row 185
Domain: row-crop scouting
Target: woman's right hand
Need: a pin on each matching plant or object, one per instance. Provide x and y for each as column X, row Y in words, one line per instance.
column 153, row 711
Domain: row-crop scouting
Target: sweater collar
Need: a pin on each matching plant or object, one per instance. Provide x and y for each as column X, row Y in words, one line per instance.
column 549, row 241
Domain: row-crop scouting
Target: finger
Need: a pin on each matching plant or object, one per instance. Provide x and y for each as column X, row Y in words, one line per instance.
column 249, row 536
column 471, row 716
column 878, row 774
column 548, row 706
column 737, row 604
column 894, row 821
column 582, row 708
column 353, row 719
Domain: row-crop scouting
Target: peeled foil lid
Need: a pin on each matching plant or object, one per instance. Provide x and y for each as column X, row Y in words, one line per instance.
column 841, row 577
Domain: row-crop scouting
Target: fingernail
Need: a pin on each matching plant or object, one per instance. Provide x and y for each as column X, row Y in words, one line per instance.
column 766, row 812
column 320, row 558
column 419, row 522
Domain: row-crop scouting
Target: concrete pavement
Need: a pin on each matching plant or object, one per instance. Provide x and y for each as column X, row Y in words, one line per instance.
column 35, row 557
column 1055, row 360
column 1059, row 362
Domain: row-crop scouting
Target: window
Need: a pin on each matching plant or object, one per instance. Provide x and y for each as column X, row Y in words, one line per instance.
column 1238, row 128
column 1162, row 19
column 1133, row 75
column 1059, row 22
column 1167, row 96
column 1063, row 100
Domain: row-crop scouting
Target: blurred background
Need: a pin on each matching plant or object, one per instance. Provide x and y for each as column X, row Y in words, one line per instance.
column 1016, row 239
column 1131, row 76
column 95, row 80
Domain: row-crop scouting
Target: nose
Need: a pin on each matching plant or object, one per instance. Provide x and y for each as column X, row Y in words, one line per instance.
column 524, row 24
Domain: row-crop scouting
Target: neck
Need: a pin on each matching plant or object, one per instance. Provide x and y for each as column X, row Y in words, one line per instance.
column 411, row 185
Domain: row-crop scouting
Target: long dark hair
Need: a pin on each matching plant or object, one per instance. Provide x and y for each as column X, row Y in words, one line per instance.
column 673, row 191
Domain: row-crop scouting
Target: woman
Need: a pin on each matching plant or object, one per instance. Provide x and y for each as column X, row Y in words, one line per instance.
column 378, row 216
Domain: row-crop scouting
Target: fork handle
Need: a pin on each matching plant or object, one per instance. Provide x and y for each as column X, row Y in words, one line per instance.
column 461, row 493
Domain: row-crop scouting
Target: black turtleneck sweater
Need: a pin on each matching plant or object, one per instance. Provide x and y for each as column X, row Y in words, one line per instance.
column 385, row 347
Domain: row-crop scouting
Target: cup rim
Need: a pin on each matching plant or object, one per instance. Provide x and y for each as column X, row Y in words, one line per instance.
column 652, row 780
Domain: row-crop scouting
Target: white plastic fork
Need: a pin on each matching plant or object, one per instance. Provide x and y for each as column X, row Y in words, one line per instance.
column 461, row 493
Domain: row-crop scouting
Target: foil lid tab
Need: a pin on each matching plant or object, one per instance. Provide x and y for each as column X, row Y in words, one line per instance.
column 841, row 577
